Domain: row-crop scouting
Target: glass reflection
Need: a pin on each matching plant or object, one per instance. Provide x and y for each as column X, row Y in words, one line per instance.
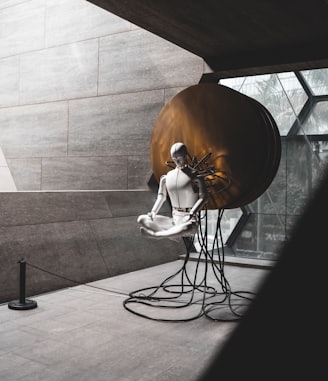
column 315, row 130
column 282, row 94
column 299, row 173
column 317, row 122
column 317, row 80
column 228, row 222
column 304, row 160
column 261, row 237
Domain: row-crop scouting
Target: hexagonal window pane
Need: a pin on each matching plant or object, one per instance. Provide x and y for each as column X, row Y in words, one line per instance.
column 228, row 222
column 281, row 94
column 293, row 90
column 261, row 237
column 317, row 80
column 317, row 122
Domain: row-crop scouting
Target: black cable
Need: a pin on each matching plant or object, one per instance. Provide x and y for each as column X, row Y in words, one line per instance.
column 185, row 293
column 223, row 280
column 150, row 299
column 192, row 291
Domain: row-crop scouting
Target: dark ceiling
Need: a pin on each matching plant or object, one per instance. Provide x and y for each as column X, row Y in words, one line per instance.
column 237, row 37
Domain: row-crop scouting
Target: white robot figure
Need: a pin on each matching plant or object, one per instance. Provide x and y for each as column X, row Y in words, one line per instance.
column 187, row 193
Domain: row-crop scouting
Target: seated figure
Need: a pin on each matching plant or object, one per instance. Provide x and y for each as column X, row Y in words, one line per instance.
column 187, row 193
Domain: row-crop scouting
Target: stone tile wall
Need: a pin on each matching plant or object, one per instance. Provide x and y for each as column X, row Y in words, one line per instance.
column 80, row 91
column 81, row 236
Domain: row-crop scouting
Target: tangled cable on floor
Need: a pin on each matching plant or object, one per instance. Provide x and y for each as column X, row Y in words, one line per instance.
column 198, row 288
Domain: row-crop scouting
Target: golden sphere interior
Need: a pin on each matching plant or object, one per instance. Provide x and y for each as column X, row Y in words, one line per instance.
column 239, row 134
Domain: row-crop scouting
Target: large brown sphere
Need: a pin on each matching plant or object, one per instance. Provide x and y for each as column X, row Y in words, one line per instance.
column 238, row 132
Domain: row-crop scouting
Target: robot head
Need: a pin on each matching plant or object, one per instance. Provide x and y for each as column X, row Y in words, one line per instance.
column 179, row 154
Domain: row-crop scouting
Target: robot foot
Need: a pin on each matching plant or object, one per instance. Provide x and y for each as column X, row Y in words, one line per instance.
column 147, row 233
column 155, row 235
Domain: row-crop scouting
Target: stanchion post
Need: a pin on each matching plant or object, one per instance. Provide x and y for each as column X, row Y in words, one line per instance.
column 22, row 303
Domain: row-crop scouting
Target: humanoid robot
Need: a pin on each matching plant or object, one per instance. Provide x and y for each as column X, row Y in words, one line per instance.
column 187, row 193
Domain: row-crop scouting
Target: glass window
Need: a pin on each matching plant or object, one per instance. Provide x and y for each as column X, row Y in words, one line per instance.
column 304, row 158
column 317, row 80
column 228, row 222
column 261, row 237
column 282, row 94
column 317, row 122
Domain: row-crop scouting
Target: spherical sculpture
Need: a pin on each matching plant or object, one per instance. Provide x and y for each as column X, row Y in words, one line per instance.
column 231, row 138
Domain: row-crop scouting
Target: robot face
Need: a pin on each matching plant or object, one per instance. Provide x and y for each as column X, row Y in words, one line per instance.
column 179, row 154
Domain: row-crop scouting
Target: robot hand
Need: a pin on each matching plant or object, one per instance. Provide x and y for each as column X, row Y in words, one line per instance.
column 188, row 217
column 151, row 215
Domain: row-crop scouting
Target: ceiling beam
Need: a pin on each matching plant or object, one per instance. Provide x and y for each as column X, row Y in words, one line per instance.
column 237, row 37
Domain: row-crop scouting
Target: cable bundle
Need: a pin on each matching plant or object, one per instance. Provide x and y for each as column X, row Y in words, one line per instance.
column 198, row 288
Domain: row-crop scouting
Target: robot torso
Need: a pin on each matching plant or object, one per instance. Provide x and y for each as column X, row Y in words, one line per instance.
column 180, row 189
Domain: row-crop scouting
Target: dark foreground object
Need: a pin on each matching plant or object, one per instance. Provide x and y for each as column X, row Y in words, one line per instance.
column 282, row 335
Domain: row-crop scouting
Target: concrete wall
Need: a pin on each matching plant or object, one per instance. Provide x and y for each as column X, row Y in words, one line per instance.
column 82, row 236
column 80, row 91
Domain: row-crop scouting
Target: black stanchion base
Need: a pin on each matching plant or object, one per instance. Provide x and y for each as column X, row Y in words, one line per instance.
column 27, row 305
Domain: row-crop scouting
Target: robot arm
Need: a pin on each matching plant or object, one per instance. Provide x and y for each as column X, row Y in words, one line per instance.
column 161, row 197
column 203, row 196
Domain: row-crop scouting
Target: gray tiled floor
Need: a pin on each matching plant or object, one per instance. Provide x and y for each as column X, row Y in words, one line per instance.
column 85, row 333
